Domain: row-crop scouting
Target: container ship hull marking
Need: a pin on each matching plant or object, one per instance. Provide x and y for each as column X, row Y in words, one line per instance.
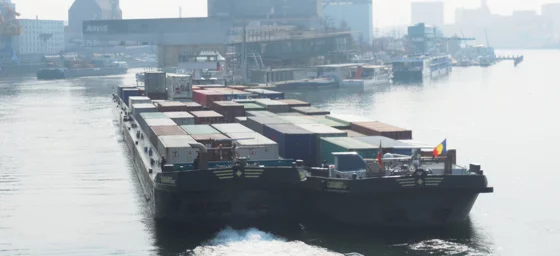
column 237, row 196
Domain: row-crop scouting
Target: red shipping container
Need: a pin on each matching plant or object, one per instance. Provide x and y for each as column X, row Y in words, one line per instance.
column 207, row 117
column 238, row 87
column 229, row 109
column 295, row 103
column 164, row 130
column 193, row 106
column 171, row 106
column 381, row 129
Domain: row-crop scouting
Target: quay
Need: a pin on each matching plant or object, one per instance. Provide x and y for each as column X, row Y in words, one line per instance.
column 517, row 59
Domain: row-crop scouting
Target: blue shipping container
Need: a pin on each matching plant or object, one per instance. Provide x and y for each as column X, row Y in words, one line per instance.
column 293, row 142
column 121, row 87
column 127, row 92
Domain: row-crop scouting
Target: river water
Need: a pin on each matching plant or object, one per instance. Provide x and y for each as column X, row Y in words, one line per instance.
column 68, row 188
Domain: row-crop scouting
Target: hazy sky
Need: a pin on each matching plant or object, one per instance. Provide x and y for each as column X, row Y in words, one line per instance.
column 386, row 12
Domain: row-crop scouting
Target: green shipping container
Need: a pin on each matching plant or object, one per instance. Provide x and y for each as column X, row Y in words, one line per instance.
column 327, row 146
column 329, row 122
column 253, row 107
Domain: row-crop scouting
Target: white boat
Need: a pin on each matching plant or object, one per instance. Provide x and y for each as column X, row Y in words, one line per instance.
column 368, row 75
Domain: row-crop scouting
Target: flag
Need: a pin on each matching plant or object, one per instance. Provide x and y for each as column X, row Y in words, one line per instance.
column 441, row 148
column 380, row 155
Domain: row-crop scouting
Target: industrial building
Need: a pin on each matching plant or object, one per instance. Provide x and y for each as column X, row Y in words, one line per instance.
column 430, row 13
column 40, row 36
column 356, row 14
column 82, row 10
column 264, row 9
column 423, row 38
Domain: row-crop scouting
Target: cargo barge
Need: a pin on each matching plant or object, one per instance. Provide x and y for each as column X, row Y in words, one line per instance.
column 263, row 160
column 421, row 68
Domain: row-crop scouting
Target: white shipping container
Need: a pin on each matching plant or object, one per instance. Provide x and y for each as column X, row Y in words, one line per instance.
column 176, row 149
column 160, row 122
column 137, row 109
column 154, row 82
column 232, row 128
column 180, row 117
column 138, row 100
column 179, row 86
column 258, row 147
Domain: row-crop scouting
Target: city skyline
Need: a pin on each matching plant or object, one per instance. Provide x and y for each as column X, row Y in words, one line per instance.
column 140, row 9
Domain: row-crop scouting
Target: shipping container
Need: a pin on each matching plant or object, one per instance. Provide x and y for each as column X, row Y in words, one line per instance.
column 351, row 133
column 193, row 106
column 347, row 119
column 229, row 109
column 179, row 86
column 273, row 105
column 156, row 131
column 295, row 103
column 198, row 129
column 194, row 88
column 213, row 142
column 155, row 85
column 329, row 145
column 257, row 123
column 297, row 119
column 206, row 97
column 324, row 120
column 232, row 128
column 129, row 92
column 180, row 118
column 207, row 117
column 242, row 120
column 260, row 113
column 255, row 146
column 138, row 100
column 243, row 101
column 148, row 115
column 238, row 87
column 310, row 111
column 381, row 129
column 176, row 149
column 293, row 142
column 268, row 94
column 321, row 131
column 171, row 106
column 120, row 89
column 249, row 106
column 232, row 94
column 389, row 145
column 137, row 109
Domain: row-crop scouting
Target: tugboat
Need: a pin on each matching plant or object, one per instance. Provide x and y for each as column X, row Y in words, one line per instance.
column 209, row 195
column 394, row 190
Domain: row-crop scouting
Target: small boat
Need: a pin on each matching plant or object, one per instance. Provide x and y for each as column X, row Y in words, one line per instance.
column 368, row 75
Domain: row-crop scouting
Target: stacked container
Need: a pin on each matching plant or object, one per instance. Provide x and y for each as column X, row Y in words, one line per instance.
column 207, row 117
column 297, row 119
column 232, row 128
column 192, row 106
column 138, row 100
column 229, row 109
column 381, row 129
column 179, row 86
column 351, row 133
column 148, row 115
column 242, row 120
column 120, row 89
column 162, row 126
column 295, row 103
column 206, row 97
column 310, row 111
column 255, row 146
column 327, row 146
column 171, row 106
column 321, row 131
column 260, row 113
column 199, row 129
column 257, row 123
column 137, row 109
column 347, row 119
column 129, row 92
column 324, row 120
column 180, row 118
column 293, row 142
column 155, row 85
column 273, row 106
column 231, row 94
column 176, row 149
column 251, row 106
